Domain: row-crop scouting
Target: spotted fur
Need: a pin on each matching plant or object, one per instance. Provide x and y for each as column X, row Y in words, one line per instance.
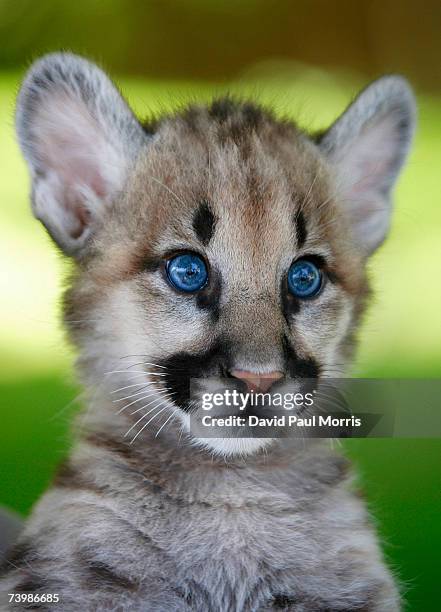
column 158, row 520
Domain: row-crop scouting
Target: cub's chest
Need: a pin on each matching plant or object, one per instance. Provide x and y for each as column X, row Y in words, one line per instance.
column 235, row 559
column 239, row 543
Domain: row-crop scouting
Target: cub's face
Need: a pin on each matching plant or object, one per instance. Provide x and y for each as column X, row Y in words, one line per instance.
column 219, row 243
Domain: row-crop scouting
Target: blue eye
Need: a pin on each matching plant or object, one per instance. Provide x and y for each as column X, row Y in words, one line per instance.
column 187, row 272
column 304, row 279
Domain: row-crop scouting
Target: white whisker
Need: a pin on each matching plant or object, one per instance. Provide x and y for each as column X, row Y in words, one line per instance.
column 140, row 392
column 146, row 424
column 177, row 198
column 142, row 418
column 308, row 195
column 145, row 363
column 146, row 405
column 138, row 399
column 140, row 384
column 163, row 425
column 156, row 365
column 135, row 372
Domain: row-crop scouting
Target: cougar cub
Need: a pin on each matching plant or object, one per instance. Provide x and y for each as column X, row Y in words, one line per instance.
column 219, row 241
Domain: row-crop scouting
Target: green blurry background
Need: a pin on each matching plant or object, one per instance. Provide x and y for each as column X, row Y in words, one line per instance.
column 306, row 59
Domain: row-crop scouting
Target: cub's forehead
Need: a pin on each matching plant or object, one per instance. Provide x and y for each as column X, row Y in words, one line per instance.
column 234, row 147
column 245, row 190
column 227, row 164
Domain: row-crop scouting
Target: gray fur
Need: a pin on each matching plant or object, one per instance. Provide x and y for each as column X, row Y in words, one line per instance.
column 10, row 527
column 157, row 520
column 389, row 95
column 69, row 77
column 177, row 530
column 386, row 105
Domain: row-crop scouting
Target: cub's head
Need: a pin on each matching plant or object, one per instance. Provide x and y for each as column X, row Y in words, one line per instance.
column 218, row 242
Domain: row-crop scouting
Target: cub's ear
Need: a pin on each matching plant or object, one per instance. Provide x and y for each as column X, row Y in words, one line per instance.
column 79, row 138
column 367, row 146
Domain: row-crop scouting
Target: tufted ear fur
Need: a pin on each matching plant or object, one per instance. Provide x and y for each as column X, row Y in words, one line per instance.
column 367, row 147
column 79, row 138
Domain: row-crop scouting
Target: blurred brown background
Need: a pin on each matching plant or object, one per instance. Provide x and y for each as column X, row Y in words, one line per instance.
column 216, row 40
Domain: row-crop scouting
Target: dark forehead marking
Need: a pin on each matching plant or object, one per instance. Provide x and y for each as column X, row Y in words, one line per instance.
column 236, row 122
column 249, row 115
column 204, row 223
column 301, row 229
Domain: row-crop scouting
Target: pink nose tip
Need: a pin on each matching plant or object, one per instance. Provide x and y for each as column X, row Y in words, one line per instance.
column 257, row 382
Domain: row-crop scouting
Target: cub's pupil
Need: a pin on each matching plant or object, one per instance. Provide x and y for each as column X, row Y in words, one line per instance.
column 305, row 277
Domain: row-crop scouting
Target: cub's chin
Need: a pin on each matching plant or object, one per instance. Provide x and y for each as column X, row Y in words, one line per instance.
column 230, row 447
